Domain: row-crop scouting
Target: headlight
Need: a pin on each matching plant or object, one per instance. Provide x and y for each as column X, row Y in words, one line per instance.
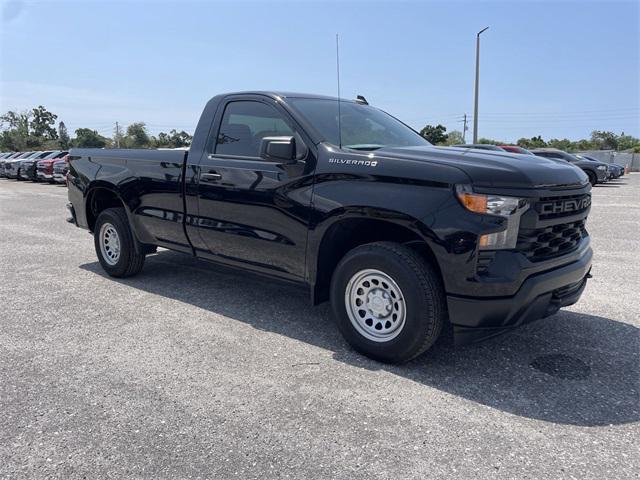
column 488, row 204
column 602, row 167
column 511, row 208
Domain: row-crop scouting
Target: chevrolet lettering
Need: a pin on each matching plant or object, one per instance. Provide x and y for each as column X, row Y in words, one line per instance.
column 565, row 206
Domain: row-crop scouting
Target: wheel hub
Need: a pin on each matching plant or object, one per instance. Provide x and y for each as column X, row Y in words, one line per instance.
column 375, row 305
column 109, row 243
column 379, row 303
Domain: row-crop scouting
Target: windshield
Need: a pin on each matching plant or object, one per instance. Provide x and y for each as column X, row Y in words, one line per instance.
column 362, row 127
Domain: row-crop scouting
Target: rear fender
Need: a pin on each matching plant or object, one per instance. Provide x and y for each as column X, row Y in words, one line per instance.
column 91, row 210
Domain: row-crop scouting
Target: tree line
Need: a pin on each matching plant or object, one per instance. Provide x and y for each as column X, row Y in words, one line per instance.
column 36, row 129
column 599, row 140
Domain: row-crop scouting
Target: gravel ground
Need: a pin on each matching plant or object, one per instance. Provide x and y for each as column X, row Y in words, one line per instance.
column 192, row 371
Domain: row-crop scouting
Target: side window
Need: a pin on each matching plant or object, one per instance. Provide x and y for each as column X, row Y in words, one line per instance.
column 244, row 125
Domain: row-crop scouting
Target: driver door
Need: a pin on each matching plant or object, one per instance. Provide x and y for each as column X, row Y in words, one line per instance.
column 254, row 212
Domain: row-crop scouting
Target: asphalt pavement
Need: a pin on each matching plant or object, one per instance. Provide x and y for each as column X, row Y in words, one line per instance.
column 193, row 371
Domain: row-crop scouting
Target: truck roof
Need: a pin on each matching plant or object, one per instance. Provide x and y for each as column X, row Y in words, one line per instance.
column 277, row 94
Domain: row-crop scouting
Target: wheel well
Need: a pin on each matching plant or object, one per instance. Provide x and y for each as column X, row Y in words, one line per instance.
column 100, row 199
column 349, row 234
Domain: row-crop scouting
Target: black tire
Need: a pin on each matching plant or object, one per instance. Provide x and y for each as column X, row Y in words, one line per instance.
column 421, row 287
column 592, row 178
column 18, row 179
column 129, row 261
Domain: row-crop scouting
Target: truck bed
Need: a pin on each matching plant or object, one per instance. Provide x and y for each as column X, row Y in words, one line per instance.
column 159, row 213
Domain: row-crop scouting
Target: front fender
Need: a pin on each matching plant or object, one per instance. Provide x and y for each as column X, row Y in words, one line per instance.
column 429, row 214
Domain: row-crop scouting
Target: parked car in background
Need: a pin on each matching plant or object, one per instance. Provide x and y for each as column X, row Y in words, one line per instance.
column 618, row 169
column 596, row 171
column 60, row 169
column 12, row 165
column 28, row 166
column 480, row 146
column 614, row 170
column 611, row 172
column 4, row 156
column 515, row 149
column 44, row 168
column 6, row 159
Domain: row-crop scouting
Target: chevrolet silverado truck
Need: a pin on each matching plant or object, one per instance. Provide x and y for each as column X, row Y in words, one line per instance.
column 352, row 204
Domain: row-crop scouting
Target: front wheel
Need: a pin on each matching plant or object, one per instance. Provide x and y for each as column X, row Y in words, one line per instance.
column 115, row 244
column 388, row 301
column 592, row 178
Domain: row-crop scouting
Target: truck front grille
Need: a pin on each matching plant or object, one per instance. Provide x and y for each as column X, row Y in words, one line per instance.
column 549, row 208
column 553, row 241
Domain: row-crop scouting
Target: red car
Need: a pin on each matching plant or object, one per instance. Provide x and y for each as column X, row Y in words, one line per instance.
column 515, row 149
column 45, row 166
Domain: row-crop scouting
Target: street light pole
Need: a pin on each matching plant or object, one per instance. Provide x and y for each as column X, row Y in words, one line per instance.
column 475, row 109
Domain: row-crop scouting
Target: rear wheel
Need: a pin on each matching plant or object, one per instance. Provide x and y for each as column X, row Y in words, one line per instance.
column 388, row 301
column 115, row 244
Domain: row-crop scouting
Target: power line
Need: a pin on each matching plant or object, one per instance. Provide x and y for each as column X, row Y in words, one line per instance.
column 571, row 112
column 540, row 121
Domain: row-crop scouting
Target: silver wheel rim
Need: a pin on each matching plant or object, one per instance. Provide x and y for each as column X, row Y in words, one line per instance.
column 375, row 305
column 109, row 243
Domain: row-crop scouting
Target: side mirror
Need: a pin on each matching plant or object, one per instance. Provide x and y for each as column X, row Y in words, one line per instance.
column 278, row 149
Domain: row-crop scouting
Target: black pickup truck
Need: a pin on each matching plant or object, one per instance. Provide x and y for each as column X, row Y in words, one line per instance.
column 342, row 198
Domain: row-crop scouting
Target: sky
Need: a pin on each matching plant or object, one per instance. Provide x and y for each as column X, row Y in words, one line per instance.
column 556, row 69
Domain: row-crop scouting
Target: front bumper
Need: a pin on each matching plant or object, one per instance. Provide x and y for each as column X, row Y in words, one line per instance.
column 539, row 296
column 44, row 176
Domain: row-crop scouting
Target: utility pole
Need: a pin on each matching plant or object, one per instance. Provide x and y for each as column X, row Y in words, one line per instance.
column 464, row 129
column 475, row 109
column 117, row 135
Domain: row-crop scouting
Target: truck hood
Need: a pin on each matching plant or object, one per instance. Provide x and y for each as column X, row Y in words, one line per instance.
column 488, row 168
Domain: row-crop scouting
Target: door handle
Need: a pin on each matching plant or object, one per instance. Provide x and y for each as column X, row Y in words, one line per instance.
column 210, row 177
